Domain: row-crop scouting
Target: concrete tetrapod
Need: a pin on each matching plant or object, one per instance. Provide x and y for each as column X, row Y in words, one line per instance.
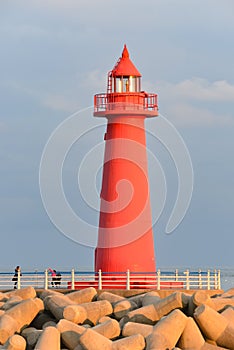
column 49, row 324
column 122, row 308
column 49, row 339
column 228, row 313
column 24, row 293
column 88, row 312
column 70, row 333
column 149, row 314
column 104, row 319
column 3, row 297
column 12, row 301
column 75, row 313
column 134, row 342
column 83, row 296
column 32, row 336
column 191, row 338
column 111, row 297
column 121, row 305
column 109, row 329
column 150, row 298
column 8, row 326
column 201, row 297
column 41, row 319
column 208, row 346
column 137, row 299
column 215, row 326
column 18, row 317
column 15, row 342
column 198, row 298
column 91, row 340
column 185, row 300
column 48, row 292
column 56, row 303
column 25, row 312
column 131, row 328
column 167, row 331
column 220, row 303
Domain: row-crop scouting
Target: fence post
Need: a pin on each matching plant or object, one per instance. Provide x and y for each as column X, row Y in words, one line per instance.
column 100, row 279
column 187, row 279
column 128, row 280
column 158, row 280
column 46, row 279
column 200, row 279
column 215, row 279
column 72, row 279
column 208, row 279
column 176, row 275
column 18, row 277
column 219, row 280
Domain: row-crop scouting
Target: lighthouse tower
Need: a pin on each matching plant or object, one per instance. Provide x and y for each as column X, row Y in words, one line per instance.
column 125, row 236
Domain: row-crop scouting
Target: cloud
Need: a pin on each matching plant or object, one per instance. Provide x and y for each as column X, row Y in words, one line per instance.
column 194, row 102
column 201, row 90
column 185, row 114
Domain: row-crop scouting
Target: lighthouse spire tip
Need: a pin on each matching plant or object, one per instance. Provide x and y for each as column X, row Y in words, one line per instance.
column 125, row 53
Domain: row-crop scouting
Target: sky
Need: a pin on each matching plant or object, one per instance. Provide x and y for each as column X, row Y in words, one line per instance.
column 54, row 56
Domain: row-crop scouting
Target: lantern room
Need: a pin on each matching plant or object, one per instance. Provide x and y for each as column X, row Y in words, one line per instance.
column 124, row 94
column 124, row 77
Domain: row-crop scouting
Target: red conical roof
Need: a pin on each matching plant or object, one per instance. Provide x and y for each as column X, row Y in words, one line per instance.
column 124, row 66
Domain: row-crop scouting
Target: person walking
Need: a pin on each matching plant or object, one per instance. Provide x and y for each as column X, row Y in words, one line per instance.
column 16, row 276
column 54, row 277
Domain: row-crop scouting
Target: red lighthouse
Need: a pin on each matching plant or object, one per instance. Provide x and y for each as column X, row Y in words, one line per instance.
column 125, row 236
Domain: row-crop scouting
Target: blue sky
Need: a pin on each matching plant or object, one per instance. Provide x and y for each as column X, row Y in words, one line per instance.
column 55, row 56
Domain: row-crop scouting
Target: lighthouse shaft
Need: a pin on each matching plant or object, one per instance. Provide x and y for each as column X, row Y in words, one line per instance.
column 125, row 225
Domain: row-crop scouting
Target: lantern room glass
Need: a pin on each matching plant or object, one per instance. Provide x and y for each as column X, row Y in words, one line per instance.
column 126, row 84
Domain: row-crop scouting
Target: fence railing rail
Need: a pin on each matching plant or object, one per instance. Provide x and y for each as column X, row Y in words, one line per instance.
column 186, row 279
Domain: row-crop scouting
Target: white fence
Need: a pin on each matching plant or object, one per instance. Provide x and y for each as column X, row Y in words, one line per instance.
column 186, row 279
